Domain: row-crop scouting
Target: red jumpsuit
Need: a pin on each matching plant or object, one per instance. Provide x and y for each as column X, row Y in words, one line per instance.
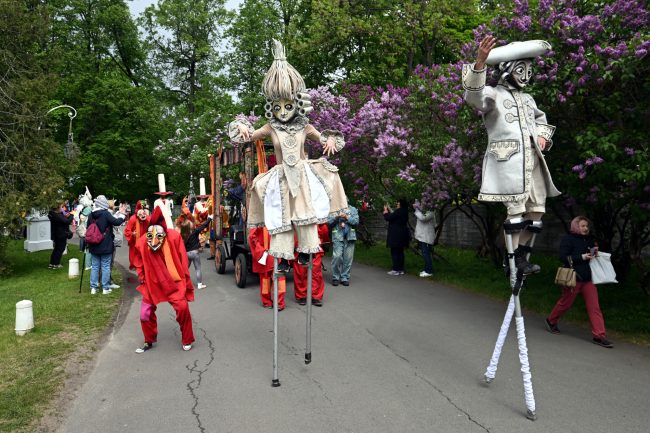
column 300, row 272
column 134, row 230
column 258, row 239
column 165, row 277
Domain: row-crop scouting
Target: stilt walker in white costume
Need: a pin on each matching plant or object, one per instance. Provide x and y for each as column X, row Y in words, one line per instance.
column 296, row 194
column 514, row 170
column 164, row 202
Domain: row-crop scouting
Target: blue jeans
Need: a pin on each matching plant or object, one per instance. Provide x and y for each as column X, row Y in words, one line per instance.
column 342, row 255
column 426, row 255
column 103, row 261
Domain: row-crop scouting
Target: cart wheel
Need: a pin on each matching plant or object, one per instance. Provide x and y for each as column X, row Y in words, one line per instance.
column 241, row 270
column 220, row 259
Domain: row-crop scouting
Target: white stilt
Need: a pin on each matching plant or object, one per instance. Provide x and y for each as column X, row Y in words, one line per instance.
column 514, row 307
column 275, row 382
column 491, row 371
column 310, row 293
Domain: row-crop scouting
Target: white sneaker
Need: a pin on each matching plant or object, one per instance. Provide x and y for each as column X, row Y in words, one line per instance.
column 187, row 347
column 424, row 274
column 106, row 292
column 201, row 286
column 93, row 291
column 114, row 286
column 392, row 273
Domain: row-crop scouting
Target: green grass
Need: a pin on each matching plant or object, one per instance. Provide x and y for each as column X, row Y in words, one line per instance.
column 625, row 306
column 31, row 371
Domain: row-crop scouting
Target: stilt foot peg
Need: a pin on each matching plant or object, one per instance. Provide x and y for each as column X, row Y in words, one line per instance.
column 275, row 383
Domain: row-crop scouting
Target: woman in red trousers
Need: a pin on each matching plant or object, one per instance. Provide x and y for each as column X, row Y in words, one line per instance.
column 577, row 248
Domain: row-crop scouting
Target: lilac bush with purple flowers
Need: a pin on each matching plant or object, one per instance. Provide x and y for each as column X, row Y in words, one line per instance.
column 422, row 142
column 595, row 87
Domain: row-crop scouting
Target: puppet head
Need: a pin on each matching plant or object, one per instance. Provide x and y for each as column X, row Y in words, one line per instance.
column 517, row 72
column 284, row 89
column 86, row 199
column 140, row 213
column 514, row 61
column 157, row 230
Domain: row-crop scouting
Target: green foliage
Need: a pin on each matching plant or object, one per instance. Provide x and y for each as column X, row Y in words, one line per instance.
column 381, row 41
column 595, row 87
column 65, row 320
column 251, row 34
column 181, row 38
column 119, row 131
column 185, row 153
column 32, row 168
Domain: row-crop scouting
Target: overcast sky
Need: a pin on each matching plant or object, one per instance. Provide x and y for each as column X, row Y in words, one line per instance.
column 137, row 6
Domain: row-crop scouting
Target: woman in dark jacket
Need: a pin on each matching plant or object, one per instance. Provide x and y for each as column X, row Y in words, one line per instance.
column 102, row 253
column 60, row 221
column 399, row 235
column 577, row 249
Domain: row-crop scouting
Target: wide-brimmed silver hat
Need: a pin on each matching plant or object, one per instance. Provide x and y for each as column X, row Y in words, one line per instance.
column 517, row 51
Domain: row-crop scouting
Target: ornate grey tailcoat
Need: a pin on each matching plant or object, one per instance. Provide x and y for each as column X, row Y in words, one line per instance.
column 513, row 123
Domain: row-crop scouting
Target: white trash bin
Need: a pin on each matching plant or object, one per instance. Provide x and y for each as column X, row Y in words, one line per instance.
column 24, row 317
column 73, row 268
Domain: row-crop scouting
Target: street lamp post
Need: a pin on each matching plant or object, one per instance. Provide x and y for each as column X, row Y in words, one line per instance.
column 70, row 150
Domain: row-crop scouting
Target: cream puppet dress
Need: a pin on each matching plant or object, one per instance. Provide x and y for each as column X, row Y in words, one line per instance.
column 297, row 192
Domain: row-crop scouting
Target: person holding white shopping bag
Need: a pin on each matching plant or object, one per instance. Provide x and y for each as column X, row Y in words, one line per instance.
column 579, row 247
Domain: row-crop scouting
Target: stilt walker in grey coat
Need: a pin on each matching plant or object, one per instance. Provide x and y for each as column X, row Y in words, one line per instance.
column 514, row 170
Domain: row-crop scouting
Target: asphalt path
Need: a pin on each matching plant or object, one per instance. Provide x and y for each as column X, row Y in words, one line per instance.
column 390, row 354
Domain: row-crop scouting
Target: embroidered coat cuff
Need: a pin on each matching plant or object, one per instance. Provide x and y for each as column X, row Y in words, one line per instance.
column 547, row 132
column 473, row 80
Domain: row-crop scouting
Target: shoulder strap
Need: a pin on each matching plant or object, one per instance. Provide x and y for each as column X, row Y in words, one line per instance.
column 570, row 261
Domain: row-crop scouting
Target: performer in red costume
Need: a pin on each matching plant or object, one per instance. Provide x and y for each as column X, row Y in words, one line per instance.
column 259, row 240
column 201, row 211
column 317, row 282
column 164, row 277
column 135, row 229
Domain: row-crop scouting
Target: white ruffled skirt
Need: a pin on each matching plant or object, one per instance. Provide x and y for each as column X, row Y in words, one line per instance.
column 320, row 195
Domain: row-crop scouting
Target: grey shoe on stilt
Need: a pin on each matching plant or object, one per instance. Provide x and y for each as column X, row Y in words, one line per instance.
column 522, row 263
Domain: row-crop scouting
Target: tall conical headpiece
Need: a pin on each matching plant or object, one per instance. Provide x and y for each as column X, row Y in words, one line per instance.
column 282, row 81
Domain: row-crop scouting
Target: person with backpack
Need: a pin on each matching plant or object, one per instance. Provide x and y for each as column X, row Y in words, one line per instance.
column 100, row 237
